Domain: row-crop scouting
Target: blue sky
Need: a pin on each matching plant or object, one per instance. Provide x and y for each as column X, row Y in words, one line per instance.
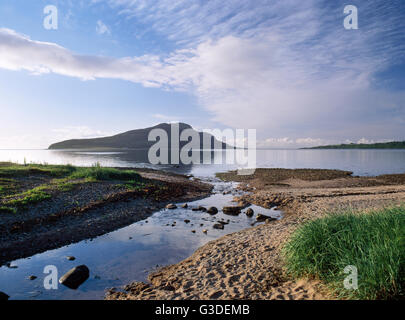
column 287, row 68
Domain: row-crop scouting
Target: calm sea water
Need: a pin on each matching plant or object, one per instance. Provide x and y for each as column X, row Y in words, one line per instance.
column 361, row 162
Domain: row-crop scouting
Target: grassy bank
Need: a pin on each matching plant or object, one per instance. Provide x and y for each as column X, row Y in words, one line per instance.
column 372, row 242
column 14, row 178
column 95, row 172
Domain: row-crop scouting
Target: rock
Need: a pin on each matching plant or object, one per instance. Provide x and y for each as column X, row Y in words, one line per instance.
column 32, row 278
column 199, row 208
column 171, row 206
column 223, row 222
column 218, row 226
column 193, row 231
column 233, row 211
column 262, row 217
column 71, row 258
column 250, row 212
column 205, row 231
column 75, row 277
column 3, row 296
column 187, row 221
column 185, row 206
column 212, row 210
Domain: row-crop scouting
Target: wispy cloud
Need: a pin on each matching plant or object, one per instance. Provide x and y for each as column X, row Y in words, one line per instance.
column 101, row 28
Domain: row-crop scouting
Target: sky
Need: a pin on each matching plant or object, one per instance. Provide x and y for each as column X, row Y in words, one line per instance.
column 287, row 68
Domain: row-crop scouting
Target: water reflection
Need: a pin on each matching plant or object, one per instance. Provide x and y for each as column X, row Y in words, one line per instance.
column 361, row 162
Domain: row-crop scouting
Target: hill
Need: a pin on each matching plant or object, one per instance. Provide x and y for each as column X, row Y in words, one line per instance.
column 134, row 139
column 382, row 145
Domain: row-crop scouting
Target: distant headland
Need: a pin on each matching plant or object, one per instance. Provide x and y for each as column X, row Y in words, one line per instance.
column 382, row 145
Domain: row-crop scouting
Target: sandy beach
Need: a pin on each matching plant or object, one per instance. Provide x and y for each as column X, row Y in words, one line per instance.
column 248, row 264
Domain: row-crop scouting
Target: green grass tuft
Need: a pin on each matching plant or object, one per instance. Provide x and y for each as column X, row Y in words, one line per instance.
column 29, row 197
column 8, row 210
column 372, row 242
column 17, row 170
column 96, row 172
column 100, row 173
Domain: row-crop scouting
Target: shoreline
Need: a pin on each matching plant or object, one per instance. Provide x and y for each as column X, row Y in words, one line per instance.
column 247, row 264
column 91, row 210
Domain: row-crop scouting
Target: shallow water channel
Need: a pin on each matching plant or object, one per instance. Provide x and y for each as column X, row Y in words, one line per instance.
column 128, row 254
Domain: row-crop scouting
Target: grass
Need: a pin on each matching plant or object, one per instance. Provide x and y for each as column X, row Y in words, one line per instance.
column 134, row 185
column 29, row 197
column 63, row 178
column 372, row 242
column 97, row 172
column 7, row 186
column 4, row 209
column 17, row 170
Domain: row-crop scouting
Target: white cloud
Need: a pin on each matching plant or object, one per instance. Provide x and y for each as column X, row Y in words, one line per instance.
column 101, row 28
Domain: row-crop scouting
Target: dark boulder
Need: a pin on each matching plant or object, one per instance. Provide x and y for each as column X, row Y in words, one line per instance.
column 212, row 210
column 233, row 211
column 218, row 226
column 200, row 208
column 262, row 218
column 3, row 296
column 75, row 277
column 250, row 212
